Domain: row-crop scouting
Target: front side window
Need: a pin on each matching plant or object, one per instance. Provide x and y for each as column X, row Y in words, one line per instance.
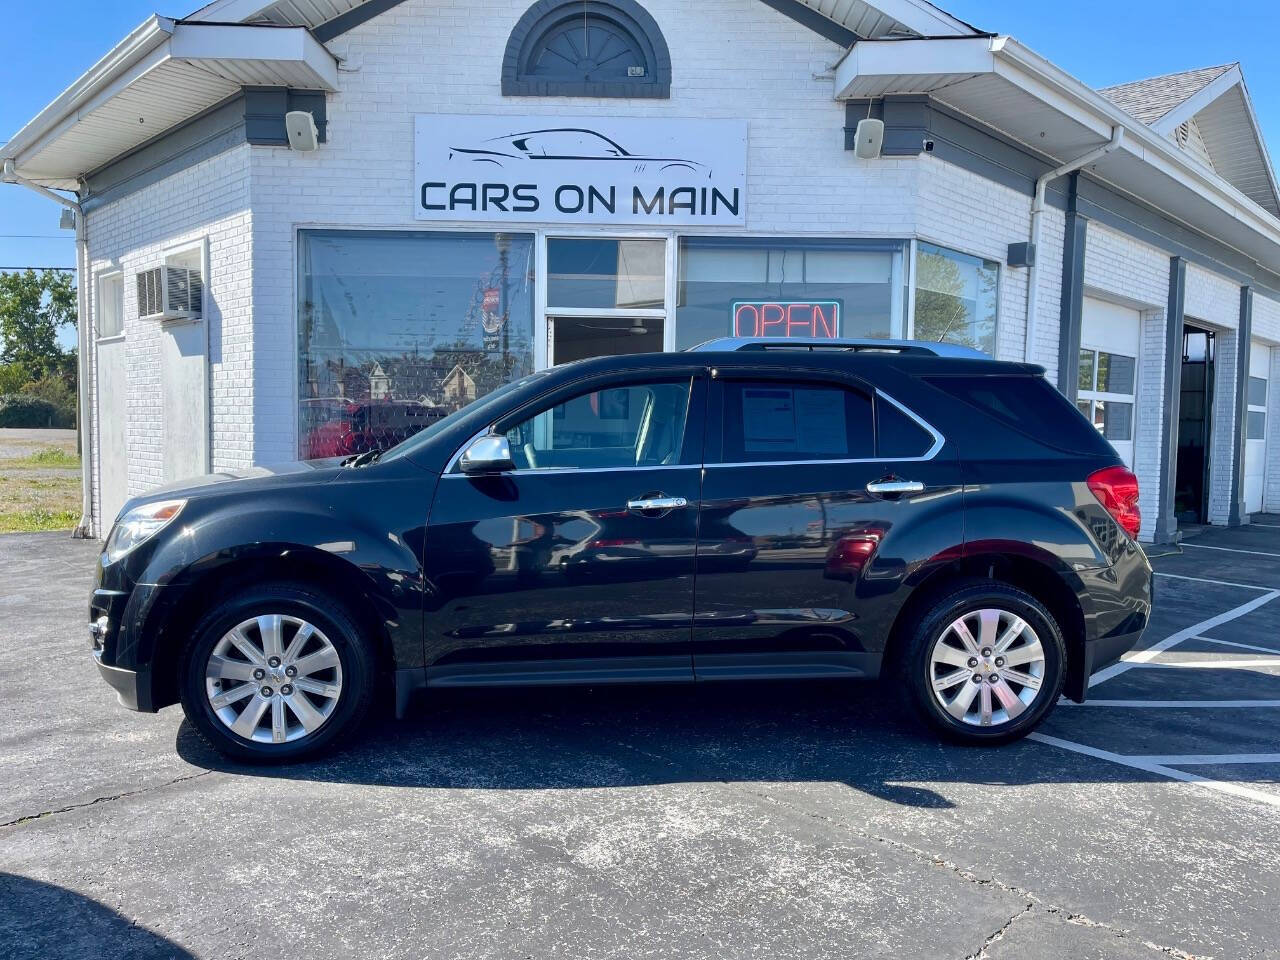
column 1106, row 392
column 957, row 298
column 785, row 288
column 777, row 421
column 632, row 425
column 399, row 329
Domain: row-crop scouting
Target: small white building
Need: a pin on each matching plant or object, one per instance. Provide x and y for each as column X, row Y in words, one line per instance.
column 312, row 225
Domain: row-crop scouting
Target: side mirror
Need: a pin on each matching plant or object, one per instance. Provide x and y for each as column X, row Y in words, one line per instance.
column 489, row 454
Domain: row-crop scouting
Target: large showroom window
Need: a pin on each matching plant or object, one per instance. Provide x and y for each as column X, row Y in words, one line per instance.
column 956, row 298
column 398, row 329
column 776, row 287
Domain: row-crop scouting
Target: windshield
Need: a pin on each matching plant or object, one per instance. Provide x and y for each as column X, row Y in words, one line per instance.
column 476, row 407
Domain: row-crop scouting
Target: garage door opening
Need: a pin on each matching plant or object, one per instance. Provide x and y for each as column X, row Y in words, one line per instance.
column 1195, row 424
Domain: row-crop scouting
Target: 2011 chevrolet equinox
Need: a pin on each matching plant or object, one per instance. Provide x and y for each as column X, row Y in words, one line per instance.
column 749, row 509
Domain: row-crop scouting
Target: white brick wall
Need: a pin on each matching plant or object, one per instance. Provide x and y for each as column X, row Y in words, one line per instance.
column 426, row 56
column 208, row 201
column 1149, row 426
column 961, row 210
column 436, row 56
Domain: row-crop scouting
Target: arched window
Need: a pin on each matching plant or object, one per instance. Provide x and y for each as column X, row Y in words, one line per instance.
column 586, row 48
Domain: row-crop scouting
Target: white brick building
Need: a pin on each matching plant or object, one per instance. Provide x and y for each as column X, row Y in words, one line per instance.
column 355, row 291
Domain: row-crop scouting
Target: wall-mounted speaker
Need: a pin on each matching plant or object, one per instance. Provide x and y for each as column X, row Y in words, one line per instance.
column 869, row 138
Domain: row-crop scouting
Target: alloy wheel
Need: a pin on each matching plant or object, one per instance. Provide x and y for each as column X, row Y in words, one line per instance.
column 986, row 668
column 273, row 679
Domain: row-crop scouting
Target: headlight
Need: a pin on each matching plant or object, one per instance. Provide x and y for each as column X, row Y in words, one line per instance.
column 139, row 525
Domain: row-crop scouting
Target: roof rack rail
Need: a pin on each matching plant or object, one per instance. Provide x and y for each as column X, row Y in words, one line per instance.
column 812, row 344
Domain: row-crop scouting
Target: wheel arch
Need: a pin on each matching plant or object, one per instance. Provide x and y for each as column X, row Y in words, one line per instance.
column 1039, row 575
column 190, row 596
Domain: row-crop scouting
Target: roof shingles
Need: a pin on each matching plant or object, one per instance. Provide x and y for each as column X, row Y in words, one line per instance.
column 1149, row 100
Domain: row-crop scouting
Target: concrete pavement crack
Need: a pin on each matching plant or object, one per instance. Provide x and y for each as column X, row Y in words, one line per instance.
column 1033, row 901
column 982, row 954
column 97, row 800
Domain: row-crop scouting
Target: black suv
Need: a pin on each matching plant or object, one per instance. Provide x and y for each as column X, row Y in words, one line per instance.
column 746, row 510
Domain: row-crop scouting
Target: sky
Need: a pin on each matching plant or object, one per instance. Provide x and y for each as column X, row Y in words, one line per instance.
column 45, row 46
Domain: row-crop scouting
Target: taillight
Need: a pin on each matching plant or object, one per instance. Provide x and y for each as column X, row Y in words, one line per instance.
column 1117, row 489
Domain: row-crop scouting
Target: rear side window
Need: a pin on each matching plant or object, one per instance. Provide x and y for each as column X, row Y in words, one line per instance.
column 1030, row 405
column 900, row 437
column 768, row 421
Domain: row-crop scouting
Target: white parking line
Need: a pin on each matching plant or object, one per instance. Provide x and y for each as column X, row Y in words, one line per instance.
column 1241, row 646
column 1147, row 765
column 1212, row 664
column 1208, row 759
column 1217, row 583
column 1150, row 653
column 1178, row 704
column 1256, row 553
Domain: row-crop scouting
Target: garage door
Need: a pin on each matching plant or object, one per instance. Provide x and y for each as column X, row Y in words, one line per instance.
column 1255, row 458
column 1109, row 340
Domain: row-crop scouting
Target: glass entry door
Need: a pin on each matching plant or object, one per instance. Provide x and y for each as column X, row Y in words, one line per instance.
column 576, row 338
column 605, row 296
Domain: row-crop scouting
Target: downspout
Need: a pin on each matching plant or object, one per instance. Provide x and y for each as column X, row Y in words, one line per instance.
column 83, row 528
column 1037, row 211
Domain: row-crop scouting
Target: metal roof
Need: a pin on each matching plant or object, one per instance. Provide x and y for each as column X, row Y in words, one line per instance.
column 303, row 13
column 891, row 18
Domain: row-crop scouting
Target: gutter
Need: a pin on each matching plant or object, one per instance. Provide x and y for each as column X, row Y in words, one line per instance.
column 83, row 529
column 1037, row 212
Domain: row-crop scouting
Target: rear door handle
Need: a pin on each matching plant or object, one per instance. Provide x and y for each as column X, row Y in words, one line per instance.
column 658, row 503
column 883, row 487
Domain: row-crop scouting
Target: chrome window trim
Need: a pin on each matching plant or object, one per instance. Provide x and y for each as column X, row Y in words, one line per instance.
column 939, row 441
column 544, row 471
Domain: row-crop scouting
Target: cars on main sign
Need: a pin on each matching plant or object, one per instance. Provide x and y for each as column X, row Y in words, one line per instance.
column 751, row 509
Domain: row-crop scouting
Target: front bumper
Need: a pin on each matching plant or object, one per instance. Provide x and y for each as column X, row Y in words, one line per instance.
column 124, row 683
column 115, row 622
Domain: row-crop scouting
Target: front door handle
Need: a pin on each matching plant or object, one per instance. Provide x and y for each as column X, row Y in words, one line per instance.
column 658, row 503
column 883, row 487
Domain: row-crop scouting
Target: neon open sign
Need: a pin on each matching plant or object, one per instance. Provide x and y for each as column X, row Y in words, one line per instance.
column 787, row 318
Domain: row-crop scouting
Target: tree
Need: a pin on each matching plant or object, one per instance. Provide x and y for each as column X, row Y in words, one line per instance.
column 33, row 308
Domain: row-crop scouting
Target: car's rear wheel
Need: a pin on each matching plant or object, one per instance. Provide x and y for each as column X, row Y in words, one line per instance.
column 275, row 673
column 985, row 663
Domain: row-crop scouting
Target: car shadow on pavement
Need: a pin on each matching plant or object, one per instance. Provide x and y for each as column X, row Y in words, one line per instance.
column 599, row 737
column 45, row 921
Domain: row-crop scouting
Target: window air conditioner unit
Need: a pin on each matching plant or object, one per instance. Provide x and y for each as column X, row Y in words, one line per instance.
column 170, row 293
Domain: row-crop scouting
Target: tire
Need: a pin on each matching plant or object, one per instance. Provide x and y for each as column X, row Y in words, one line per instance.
column 995, row 708
column 228, row 666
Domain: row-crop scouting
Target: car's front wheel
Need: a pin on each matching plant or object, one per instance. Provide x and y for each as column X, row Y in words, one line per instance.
column 985, row 663
column 275, row 673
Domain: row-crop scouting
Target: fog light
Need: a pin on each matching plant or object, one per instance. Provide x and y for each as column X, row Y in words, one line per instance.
column 98, row 631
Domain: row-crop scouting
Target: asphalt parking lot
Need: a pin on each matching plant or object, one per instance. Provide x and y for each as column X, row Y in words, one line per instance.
column 757, row 821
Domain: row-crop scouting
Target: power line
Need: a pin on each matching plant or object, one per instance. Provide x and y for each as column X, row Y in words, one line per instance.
column 37, row 269
column 38, row 236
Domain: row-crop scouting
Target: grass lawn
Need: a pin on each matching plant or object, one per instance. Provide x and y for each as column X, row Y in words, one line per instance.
column 40, row 491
